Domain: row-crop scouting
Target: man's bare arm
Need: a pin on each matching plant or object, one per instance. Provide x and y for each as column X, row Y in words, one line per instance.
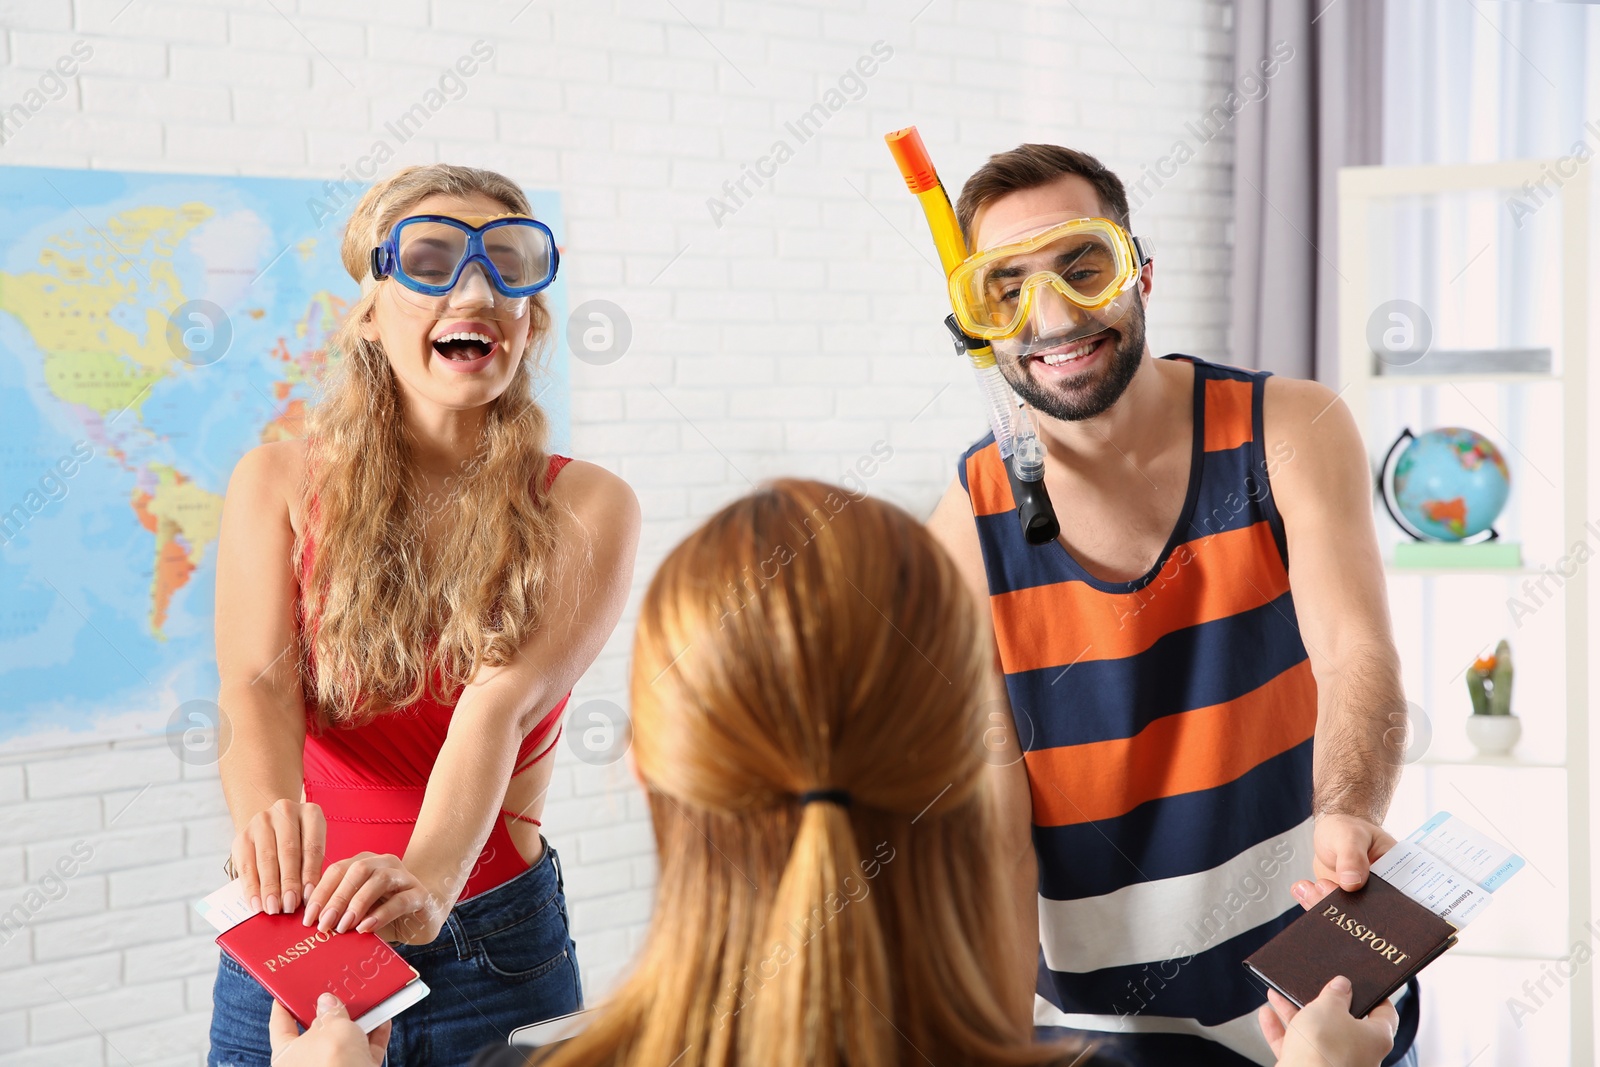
column 1009, row 794
column 1322, row 485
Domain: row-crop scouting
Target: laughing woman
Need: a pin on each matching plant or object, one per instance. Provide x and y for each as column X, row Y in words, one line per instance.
column 404, row 600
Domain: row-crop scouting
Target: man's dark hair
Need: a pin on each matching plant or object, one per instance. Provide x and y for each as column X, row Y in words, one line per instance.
column 1029, row 166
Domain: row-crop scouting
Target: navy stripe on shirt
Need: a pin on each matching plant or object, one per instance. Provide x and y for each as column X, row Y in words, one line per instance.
column 1158, row 839
column 1210, row 987
column 1195, row 667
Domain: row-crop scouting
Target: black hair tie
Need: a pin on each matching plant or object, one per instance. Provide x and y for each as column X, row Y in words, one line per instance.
column 840, row 797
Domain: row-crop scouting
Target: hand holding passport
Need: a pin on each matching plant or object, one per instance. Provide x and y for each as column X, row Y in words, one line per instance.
column 1419, row 894
column 297, row 963
column 332, row 1039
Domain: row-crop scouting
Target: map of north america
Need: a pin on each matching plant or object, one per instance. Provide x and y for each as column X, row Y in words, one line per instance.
column 121, row 430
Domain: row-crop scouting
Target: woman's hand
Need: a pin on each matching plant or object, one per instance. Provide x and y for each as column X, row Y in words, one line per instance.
column 279, row 855
column 373, row 892
column 332, row 1041
column 1324, row 1033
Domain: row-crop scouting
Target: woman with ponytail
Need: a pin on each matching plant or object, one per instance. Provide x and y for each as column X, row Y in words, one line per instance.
column 404, row 601
column 807, row 681
column 805, row 675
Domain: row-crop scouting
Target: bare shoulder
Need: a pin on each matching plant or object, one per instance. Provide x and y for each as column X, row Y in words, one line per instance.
column 952, row 526
column 1297, row 398
column 951, row 521
column 274, row 462
column 270, row 476
column 1316, row 457
column 1308, row 428
column 1302, row 408
column 594, row 495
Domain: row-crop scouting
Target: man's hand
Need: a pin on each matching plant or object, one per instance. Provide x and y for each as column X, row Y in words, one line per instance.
column 1345, row 848
column 332, row 1041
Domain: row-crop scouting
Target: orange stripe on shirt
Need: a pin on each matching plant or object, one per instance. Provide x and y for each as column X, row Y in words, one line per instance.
column 1182, row 753
column 1207, row 578
column 1228, row 415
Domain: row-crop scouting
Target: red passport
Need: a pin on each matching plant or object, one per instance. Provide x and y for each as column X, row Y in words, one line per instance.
column 298, row 963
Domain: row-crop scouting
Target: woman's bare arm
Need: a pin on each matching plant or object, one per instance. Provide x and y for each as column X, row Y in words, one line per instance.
column 278, row 850
column 591, row 574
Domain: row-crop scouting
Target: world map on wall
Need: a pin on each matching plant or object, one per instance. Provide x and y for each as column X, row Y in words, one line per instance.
column 153, row 329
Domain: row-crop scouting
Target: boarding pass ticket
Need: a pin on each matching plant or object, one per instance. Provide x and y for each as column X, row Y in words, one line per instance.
column 227, row 907
column 1449, row 868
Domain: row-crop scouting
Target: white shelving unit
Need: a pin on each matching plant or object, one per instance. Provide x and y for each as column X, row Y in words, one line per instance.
column 1363, row 192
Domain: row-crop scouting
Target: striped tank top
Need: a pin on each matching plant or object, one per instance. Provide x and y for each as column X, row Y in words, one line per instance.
column 1166, row 725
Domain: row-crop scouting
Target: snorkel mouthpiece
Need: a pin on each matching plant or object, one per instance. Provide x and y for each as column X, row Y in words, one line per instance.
column 1026, row 472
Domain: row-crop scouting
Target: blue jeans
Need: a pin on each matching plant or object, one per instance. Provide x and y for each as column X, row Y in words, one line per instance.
column 504, row 959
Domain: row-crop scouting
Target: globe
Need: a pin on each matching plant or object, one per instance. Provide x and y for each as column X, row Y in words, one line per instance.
column 1448, row 484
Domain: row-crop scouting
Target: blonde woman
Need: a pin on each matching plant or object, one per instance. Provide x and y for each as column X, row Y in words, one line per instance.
column 806, row 680
column 404, row 600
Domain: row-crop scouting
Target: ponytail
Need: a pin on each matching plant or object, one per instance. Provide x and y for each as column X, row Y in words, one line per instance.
column 837, row 968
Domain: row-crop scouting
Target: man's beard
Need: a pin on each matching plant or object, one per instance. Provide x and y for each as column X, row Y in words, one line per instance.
column 1085, row 402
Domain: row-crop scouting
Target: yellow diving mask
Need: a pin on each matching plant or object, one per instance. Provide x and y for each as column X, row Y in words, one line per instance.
column 1092, row 263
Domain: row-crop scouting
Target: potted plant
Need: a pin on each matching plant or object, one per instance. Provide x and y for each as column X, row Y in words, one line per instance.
column 1491, row 727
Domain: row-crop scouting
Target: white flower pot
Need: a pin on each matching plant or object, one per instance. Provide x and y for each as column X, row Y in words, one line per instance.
column 1494, row 735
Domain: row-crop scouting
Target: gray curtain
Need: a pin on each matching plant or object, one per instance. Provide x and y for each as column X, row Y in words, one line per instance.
column 1323, row 111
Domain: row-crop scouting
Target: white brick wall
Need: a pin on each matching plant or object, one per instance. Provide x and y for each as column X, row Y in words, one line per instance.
column 791, row 339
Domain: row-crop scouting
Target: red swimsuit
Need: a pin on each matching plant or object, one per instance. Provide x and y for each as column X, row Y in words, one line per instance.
column 370, row 779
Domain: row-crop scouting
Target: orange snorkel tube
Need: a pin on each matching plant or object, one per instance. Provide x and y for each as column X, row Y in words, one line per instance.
column 1021, row 451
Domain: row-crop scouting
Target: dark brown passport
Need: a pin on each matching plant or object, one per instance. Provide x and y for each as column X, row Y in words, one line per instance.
column 1377, row 937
